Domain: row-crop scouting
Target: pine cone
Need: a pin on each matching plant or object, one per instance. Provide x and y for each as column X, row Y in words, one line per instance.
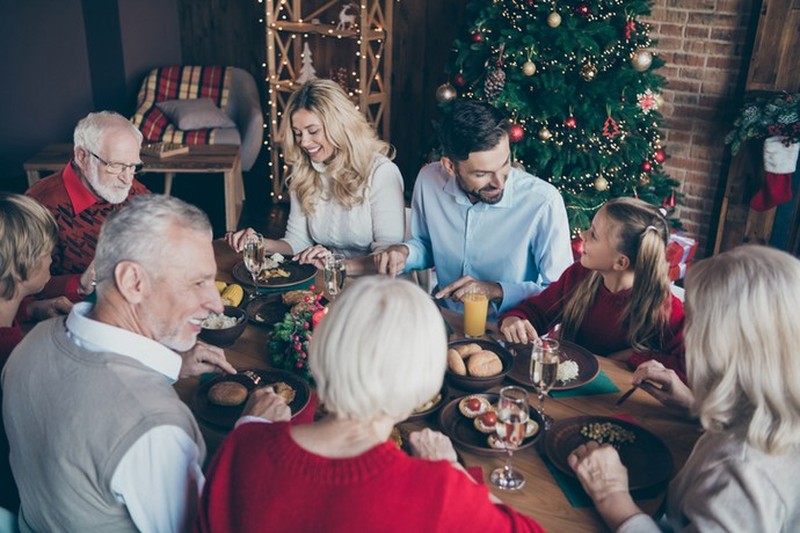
column 494, row 84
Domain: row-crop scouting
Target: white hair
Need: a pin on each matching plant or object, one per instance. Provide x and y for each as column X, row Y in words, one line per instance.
column 137, row 233
column 381, row 350
column 741, row 337
column 90, row 130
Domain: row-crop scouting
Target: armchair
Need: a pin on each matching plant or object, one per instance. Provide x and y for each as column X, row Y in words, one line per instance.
column 173, row 95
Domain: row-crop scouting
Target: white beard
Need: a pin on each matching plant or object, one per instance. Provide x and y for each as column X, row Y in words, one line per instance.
column 113, row 194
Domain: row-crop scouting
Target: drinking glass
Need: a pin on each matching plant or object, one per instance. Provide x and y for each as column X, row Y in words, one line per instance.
column 335, row 272
column 253, row 254
column 512, row 419
column 545, row 356
column 476, row 305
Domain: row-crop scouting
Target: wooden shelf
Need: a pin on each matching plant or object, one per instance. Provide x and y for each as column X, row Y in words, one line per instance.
column 326, row 29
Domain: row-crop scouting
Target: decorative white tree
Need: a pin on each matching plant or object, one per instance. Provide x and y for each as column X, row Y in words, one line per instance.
column 307, row 71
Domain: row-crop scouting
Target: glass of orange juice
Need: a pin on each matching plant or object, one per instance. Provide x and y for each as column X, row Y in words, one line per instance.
column 476, row 306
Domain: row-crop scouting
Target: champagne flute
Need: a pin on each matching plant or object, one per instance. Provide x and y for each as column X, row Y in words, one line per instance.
column 253, row 254
column 512, row 419
column 335, row 272
column 545, row 356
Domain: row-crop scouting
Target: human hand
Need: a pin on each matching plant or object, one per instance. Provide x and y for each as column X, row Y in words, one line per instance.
column 313, row 255
column 236, row 240
column 87, row 281
column 459, row 288
column 203, row 358
column 432, row 445
column 265, row 403
column 392, row 260
column 518, row 330
column 44, row 309
column 605, row 480
column 664, row 385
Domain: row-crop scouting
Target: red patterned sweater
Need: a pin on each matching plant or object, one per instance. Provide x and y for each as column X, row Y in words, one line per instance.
column 601, row 331
column 79, row 215
column 261, row 480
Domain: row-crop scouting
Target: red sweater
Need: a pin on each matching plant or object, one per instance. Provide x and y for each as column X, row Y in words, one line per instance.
column 261, row 480
column 79, row 215
column 601, row 331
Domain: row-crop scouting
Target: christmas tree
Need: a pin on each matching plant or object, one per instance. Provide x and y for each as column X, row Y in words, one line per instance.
column 579, row 83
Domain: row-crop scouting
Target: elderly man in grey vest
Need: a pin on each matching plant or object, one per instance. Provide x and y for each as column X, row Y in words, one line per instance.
column 99, row 439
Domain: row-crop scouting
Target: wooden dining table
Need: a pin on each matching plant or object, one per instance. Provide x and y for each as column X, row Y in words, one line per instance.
column 541, row 497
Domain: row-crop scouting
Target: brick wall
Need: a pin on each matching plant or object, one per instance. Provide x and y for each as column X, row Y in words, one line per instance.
column 702, row 42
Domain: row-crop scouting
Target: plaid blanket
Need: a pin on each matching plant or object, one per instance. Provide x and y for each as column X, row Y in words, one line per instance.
column 177, row 82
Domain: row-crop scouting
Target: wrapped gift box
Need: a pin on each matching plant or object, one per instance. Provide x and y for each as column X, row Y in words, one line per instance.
column 680, row 252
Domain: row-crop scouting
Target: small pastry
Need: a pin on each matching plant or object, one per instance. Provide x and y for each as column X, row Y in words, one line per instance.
column 227, row 393
column 472, row 406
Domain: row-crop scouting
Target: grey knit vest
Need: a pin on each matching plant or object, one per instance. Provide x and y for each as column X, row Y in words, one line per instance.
column 71, row 415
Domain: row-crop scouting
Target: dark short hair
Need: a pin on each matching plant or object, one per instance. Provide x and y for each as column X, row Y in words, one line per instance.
column 470, row 126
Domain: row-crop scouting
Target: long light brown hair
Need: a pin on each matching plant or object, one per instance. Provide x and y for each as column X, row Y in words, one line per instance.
column 354, row 141
column 641, row 233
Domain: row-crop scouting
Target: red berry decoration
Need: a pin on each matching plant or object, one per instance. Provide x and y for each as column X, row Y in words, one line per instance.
column 647, row 166
column 659, row 155
column 583, row 9
column 571, row 122
column 459, row 80
column 516, row 133
column 477, row 36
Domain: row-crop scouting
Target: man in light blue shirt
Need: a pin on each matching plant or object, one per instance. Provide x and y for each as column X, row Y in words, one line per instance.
column 478, row 220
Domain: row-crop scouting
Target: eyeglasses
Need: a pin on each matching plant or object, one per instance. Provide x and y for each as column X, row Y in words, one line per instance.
column 118, row 168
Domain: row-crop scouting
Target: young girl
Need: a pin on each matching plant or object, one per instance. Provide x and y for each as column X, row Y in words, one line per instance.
column 616, row 300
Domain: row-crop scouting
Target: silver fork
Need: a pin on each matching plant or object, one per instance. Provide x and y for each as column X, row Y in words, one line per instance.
column 255, row 378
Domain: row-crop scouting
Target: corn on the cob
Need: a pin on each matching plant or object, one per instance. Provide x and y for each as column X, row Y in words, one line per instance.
column 232, row 295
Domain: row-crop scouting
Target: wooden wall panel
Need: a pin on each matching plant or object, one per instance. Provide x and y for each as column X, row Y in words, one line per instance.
column 776, row 54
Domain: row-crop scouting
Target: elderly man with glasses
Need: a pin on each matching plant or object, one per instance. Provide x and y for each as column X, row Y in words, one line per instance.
column 98, row 181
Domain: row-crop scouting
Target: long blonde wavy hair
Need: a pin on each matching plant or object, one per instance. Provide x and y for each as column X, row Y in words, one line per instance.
column 741, row 345
column 641, row 233
column 354, row 141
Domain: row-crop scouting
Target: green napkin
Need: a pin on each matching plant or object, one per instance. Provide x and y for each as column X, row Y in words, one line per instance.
column 602, row 384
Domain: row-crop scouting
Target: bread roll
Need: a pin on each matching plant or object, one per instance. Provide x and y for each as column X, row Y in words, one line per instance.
column 465, row 350
column 227, row 393
column 455, row 363
column 484, row 364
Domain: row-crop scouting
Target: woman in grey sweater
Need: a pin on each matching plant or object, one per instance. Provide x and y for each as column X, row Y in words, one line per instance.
column 743, row 368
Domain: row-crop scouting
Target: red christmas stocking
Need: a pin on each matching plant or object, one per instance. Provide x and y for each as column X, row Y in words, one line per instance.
column 780, row 162
column 777, row 189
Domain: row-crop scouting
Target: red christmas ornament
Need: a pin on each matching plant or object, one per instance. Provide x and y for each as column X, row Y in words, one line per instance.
column 516, row 133
column 583, row 9
column 477, row 36
column 647, row 166
column 630, row 27
column 459, row 80
column 610, row 128
column 659, row 155
column 635, row 194
column 577, row 247
column 671, row 201
column 531, row 3
column 571, row 122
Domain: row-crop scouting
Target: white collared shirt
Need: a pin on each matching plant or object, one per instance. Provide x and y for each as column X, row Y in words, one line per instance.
column 159, row 478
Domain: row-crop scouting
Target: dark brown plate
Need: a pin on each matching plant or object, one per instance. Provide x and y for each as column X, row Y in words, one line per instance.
column 588, row 365
column 647, row 458
column 266, row 310
column 462, row 432
column 226, row 417
column 297, row 274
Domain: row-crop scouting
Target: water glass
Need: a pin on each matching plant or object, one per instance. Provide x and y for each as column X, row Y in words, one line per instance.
column 512, row 421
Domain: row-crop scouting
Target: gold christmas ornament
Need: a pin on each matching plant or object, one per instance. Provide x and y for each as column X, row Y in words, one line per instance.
column 644, row 179
column 446, row 93
column 554, row 20
column 529, row 68
column 544, row 134
column 588, row 72
column 601, row 184
column 641, row 60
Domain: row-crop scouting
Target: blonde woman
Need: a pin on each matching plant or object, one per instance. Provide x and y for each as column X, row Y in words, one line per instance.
column 346, row 195
column 616, row 300
column 741, row 354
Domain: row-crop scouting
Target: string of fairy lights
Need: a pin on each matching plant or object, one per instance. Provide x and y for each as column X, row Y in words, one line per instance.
column 284, row 18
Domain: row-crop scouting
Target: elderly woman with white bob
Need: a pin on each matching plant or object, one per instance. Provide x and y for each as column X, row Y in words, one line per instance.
column 744, row 373
column 379, row 353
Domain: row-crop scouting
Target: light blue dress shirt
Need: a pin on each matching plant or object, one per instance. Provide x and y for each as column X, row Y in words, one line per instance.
column 521, row 242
